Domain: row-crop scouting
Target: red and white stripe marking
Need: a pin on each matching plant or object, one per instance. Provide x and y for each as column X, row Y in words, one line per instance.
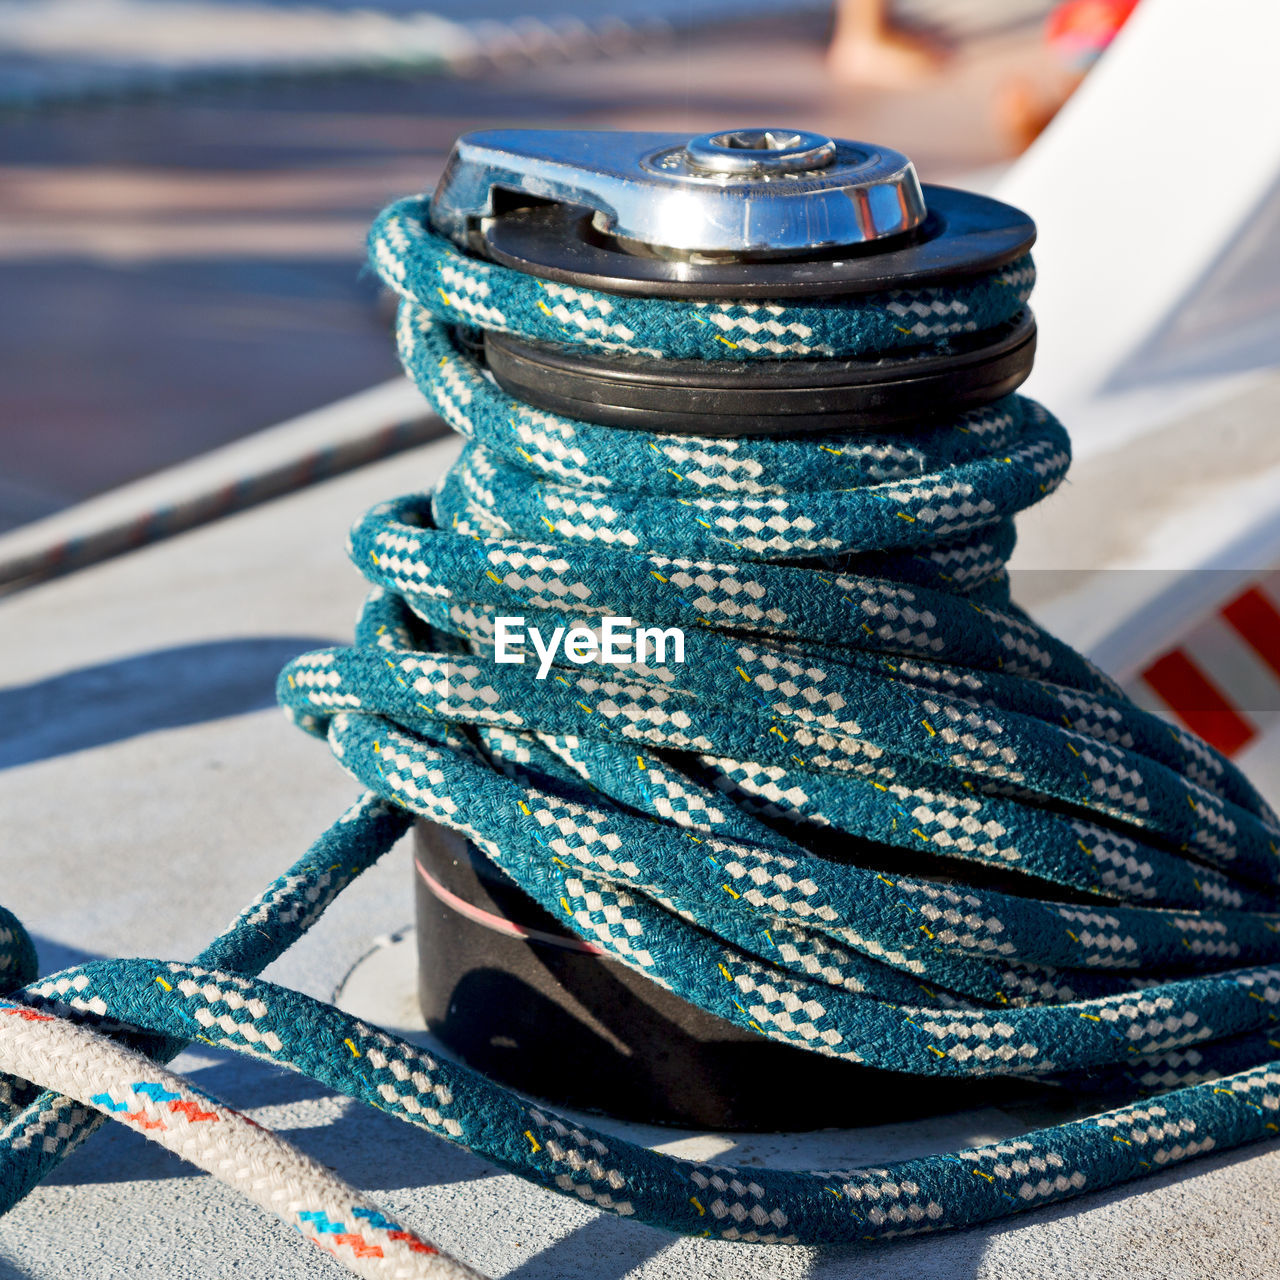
column 1222, row 679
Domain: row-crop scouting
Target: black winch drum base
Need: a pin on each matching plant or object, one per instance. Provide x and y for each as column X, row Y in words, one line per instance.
column 729, row 398
column 579, row 1029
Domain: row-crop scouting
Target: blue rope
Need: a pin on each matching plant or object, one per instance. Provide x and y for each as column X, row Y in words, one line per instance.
column 1101, row 908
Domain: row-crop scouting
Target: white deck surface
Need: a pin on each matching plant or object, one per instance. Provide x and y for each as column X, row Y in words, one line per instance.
column 149, row 789
column 1156, row 271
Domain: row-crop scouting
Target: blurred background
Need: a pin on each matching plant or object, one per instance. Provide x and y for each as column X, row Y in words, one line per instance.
column 185, row 184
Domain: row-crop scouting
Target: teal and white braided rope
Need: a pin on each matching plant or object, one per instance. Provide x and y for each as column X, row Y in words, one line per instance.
column 877, row 813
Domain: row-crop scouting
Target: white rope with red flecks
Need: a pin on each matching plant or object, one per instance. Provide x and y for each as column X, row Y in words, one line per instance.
column 167, row 1109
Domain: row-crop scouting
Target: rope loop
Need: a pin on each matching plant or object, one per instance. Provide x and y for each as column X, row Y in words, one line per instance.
column 433, row 274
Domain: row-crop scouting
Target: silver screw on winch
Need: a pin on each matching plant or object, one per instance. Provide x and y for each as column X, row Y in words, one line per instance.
column 760, row 151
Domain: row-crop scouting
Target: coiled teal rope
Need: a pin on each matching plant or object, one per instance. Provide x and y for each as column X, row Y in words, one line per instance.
column 878, row 813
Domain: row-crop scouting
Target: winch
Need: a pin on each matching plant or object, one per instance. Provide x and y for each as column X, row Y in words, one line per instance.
column 738, row 216
column 741, row 215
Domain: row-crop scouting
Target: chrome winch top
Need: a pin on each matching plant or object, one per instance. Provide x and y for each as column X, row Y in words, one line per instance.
column 734, row 213
column 735, row 192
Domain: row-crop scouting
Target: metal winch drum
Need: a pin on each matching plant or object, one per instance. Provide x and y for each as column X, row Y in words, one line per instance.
column 749, row 214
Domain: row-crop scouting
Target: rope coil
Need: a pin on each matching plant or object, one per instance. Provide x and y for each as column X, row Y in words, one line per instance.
column 878, row 813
